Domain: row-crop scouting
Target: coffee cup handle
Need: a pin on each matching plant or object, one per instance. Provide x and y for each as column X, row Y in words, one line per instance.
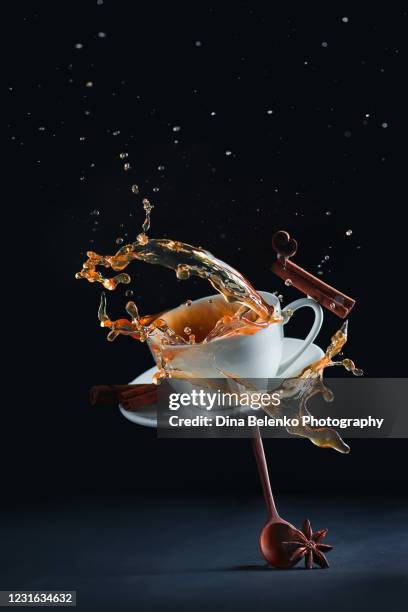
column 302, row 303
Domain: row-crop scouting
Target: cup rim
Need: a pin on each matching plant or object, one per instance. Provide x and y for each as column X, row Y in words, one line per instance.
column 276, row 302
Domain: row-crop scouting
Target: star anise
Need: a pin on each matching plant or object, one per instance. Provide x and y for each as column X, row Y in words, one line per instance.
column 308, row 545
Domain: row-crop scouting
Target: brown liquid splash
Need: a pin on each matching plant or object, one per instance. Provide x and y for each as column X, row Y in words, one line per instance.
column 310, row 383
column 252, row 314
column 186, row 261
column 243, row 311
column 295, row 394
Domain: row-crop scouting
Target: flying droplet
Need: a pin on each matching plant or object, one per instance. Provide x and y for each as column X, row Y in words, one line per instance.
column 123, row 155
column 187, row 331
column 288, row 282
column 349, row 232
column 142, row 238
column 119, row 240
column 176, row 128
column 126, row 166
column 135, row 189
column 128, row 293
column 182, row 272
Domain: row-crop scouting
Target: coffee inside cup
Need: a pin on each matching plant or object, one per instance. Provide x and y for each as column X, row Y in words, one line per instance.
column 201, row 316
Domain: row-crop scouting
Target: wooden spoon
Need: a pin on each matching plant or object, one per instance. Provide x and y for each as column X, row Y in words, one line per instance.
column 277, row 531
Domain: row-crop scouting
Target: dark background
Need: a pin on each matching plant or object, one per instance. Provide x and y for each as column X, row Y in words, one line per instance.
column 329, row 158
column 90, row 501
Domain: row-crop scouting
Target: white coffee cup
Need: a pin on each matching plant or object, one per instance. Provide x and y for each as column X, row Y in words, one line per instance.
column 247, row 356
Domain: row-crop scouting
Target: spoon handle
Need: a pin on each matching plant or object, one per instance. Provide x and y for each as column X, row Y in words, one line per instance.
column 259, row 453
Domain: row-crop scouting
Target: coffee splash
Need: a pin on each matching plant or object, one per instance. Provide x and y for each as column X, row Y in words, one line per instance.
column 310, row 383
column 295, row 393
column 244, row 311
column 186, row 260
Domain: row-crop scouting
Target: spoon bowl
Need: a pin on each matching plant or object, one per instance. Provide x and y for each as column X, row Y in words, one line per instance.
column 271, row 542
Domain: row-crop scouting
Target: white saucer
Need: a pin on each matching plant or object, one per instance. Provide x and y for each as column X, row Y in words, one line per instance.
column 147, row 416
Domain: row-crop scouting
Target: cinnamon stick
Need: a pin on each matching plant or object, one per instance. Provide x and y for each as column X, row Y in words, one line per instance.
column 131, row 397
column 337, row 302
column 329, row 297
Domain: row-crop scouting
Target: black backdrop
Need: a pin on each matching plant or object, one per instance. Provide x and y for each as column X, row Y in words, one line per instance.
column 329, row 158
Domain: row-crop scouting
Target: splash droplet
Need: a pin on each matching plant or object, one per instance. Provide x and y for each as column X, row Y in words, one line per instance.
column 142, row 238
column 182, row 272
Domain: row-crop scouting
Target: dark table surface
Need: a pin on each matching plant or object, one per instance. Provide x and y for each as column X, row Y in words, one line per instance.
column 170, row 552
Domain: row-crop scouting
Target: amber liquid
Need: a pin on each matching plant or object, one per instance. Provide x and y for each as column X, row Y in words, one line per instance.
column 238, row 310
